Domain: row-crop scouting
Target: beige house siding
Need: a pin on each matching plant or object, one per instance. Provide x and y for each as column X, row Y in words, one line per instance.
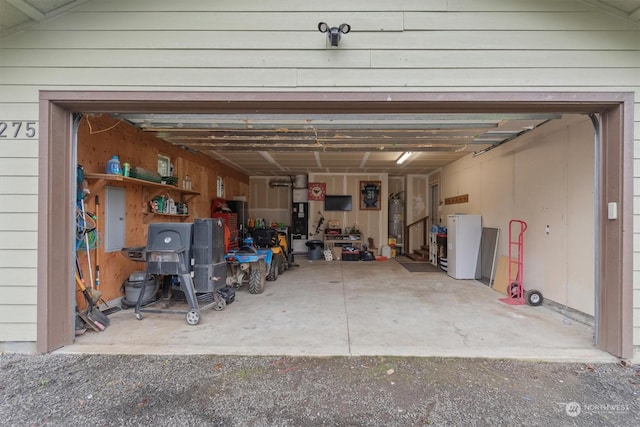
column 413, row 45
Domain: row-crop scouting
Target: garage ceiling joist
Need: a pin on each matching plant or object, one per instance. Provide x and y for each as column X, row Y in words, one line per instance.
column 285, row 134
column 493, row 105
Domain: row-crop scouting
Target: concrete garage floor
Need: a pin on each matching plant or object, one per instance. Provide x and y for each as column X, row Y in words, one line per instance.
column 355, row 309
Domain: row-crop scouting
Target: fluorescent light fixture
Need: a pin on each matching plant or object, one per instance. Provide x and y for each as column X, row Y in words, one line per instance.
column 267, row 157
column 404, row 157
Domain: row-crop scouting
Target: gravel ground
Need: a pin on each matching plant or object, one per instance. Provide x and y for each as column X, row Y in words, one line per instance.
column 107, row 390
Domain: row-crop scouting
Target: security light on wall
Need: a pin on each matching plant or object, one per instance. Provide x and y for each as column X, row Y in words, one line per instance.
column 334, row 33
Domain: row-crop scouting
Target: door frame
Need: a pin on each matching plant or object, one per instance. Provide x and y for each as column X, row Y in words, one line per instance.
column 56, row 177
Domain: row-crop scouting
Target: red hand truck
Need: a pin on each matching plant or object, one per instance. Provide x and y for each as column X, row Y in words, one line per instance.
column 516, row 294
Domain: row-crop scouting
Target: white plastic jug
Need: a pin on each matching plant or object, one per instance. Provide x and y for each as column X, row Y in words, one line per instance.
column 386, row 251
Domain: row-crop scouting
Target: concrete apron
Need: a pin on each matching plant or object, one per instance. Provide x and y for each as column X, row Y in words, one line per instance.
column 356, row 309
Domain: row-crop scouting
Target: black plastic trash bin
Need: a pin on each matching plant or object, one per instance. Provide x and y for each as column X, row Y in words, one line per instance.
column 315, row 249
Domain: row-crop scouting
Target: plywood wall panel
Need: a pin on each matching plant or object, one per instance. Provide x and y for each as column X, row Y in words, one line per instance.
column 99, row 138
column 258, row 198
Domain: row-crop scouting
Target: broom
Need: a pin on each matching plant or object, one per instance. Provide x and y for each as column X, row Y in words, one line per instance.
column 97, row 249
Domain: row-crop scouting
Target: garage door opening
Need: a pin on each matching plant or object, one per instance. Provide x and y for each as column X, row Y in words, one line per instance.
column 614, row 177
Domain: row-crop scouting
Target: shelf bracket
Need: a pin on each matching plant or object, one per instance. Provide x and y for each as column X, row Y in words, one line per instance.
column 97, row 186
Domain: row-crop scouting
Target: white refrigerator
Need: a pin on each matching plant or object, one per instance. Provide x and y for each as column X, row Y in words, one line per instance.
column 463, row 245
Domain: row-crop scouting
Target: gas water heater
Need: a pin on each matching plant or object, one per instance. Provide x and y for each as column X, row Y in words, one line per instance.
column 396, row 222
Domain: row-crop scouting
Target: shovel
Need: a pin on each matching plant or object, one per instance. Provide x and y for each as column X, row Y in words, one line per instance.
column 92, row 315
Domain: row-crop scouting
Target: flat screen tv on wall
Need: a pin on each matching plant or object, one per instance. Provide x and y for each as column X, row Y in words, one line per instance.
column 337, row 203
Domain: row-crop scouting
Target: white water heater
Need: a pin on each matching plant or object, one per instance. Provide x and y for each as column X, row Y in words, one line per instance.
column 396, row 222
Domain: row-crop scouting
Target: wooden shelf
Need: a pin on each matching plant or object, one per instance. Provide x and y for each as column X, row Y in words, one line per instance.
column 150, row 190
column 149, row 215
column 101, row 179
column 165, row 214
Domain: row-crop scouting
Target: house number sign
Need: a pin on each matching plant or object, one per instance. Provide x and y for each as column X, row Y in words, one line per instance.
column 18, row 129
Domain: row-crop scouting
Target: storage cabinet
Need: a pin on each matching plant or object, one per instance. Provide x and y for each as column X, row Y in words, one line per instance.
column 231, row 220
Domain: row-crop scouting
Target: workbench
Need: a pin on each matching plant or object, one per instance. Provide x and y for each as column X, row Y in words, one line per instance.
column 351, row 239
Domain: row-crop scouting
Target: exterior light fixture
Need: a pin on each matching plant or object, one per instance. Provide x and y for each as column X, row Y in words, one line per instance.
column 404, row 157
column 334, row 33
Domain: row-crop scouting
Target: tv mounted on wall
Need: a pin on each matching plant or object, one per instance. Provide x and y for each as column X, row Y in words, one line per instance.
column 337, row 203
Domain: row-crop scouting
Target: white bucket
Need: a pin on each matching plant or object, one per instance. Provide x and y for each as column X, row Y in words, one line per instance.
column 386, row 251
column 300, row 181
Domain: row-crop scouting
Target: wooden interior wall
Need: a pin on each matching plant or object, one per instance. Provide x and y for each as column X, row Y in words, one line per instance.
column 372, row 223
column 99, row 138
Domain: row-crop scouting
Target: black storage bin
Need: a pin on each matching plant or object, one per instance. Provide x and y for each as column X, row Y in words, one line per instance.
column 350, row 253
